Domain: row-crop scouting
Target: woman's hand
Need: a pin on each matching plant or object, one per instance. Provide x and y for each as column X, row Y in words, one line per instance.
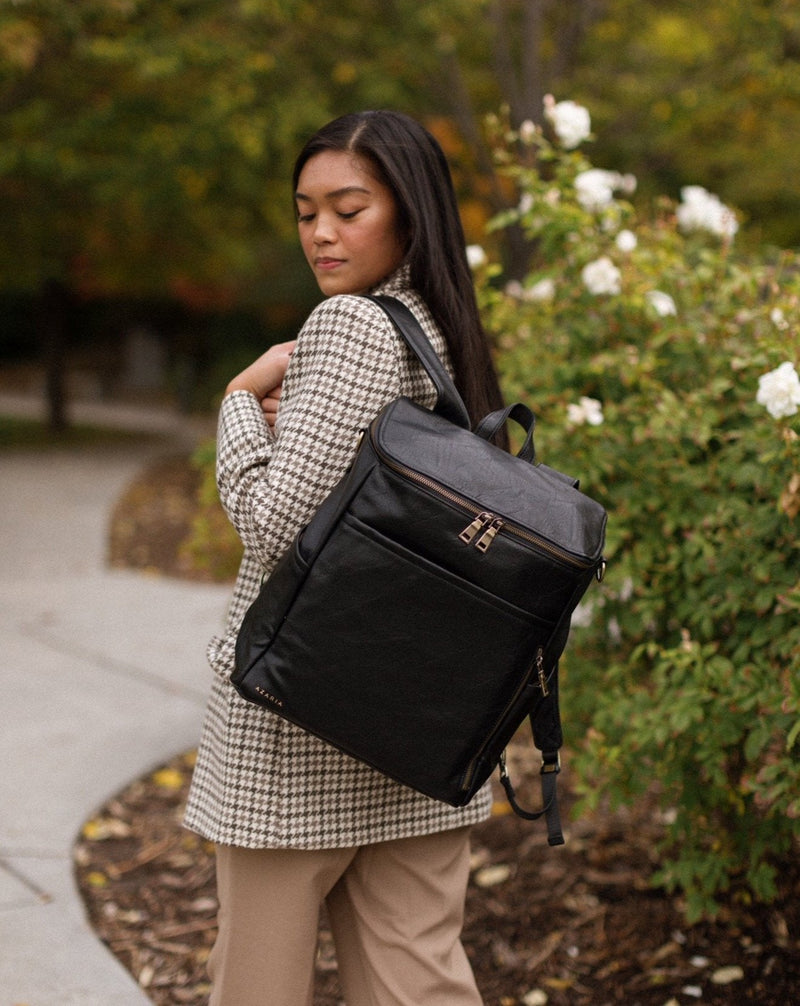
column 269, row 405
column 264, row 378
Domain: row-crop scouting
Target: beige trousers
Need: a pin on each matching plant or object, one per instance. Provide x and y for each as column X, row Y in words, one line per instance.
column 396, row 911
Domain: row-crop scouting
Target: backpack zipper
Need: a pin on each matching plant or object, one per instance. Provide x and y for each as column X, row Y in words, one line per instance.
column 485, row 521
column 538, row 666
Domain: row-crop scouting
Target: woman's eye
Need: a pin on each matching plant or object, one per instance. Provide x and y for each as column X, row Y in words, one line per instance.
column 303, row 218
column 350, row 215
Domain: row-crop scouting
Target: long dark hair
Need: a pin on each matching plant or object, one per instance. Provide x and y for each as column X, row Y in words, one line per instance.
column 410, row 162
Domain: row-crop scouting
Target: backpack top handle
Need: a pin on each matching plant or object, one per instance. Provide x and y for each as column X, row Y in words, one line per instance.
column 449, row 404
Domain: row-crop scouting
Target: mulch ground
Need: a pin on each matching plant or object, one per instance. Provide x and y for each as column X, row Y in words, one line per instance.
column 570, row 926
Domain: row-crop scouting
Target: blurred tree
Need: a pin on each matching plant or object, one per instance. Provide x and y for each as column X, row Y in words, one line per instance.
column 492, row 52
column 680, row 93
column 137, row 151
column 702, row 93
column 145, row 145
column 137, row 144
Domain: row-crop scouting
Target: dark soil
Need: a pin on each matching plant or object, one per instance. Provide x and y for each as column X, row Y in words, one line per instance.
column 569, row 926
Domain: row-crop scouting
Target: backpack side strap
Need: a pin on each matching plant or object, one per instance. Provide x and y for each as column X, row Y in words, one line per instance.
column 545, row 723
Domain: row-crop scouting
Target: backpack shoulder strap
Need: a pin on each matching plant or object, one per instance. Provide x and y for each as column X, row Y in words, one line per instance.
column 449, row 403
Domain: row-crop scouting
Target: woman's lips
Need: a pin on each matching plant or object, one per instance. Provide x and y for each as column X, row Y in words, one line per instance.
column 328, row 263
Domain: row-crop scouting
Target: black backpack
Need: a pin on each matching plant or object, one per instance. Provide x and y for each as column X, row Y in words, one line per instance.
column 419, row 617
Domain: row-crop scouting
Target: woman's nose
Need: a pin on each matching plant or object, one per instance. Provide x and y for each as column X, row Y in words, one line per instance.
column 324, row 231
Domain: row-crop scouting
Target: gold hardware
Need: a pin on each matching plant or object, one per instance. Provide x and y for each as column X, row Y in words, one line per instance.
column 536, row 540
column 486, row 522
column 472, row 529
column 551, row 767
column 488, row 536
column 540, row 671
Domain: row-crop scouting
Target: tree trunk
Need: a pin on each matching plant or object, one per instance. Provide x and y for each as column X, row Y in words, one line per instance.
column 463, row 113
column 54, row 320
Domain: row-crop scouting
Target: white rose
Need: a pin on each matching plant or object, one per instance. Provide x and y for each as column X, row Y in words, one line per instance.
column 602, row 276
column 527, row 131
column 628, row 184
column 702, row 210
column 587, row 410
column 476, row 256
column 593, row 410
column 779, row 391
column 526, row 202
column 626, row 241
column 544, row 289
column 778, row 318
column 571, row 121
column 661, row 302
column 594, row 188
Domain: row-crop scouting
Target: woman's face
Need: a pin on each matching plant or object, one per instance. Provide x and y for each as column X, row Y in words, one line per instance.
column 348, row 223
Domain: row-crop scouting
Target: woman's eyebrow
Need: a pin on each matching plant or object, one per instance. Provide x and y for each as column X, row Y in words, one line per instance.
column 346, row 191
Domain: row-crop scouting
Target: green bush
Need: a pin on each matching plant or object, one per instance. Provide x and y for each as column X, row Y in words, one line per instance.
column 212, row 544
column 682, row 673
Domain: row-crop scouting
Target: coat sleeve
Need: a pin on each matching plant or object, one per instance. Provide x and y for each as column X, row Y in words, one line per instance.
column 345, row 368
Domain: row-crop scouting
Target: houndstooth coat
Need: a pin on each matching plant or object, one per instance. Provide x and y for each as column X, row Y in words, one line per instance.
column 260, row 781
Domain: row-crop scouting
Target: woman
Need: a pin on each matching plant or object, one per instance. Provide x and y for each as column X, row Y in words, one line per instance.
column 296, row 822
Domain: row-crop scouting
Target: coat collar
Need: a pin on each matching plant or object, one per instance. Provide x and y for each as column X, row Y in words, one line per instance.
column 397, row 282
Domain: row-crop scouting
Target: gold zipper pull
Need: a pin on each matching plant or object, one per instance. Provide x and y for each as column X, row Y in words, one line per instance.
column 469, row 532
column 540, row 671
column 486, row 539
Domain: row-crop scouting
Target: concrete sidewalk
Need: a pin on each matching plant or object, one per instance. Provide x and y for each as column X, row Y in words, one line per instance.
column 103, row 677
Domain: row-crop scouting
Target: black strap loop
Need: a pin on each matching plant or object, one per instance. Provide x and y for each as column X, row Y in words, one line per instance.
column 521, row 414
column 551, row 766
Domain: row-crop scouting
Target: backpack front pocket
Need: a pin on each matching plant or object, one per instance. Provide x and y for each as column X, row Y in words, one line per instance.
column 395, row 694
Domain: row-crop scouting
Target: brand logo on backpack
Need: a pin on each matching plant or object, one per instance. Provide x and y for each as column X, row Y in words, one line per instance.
column 269, row 696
